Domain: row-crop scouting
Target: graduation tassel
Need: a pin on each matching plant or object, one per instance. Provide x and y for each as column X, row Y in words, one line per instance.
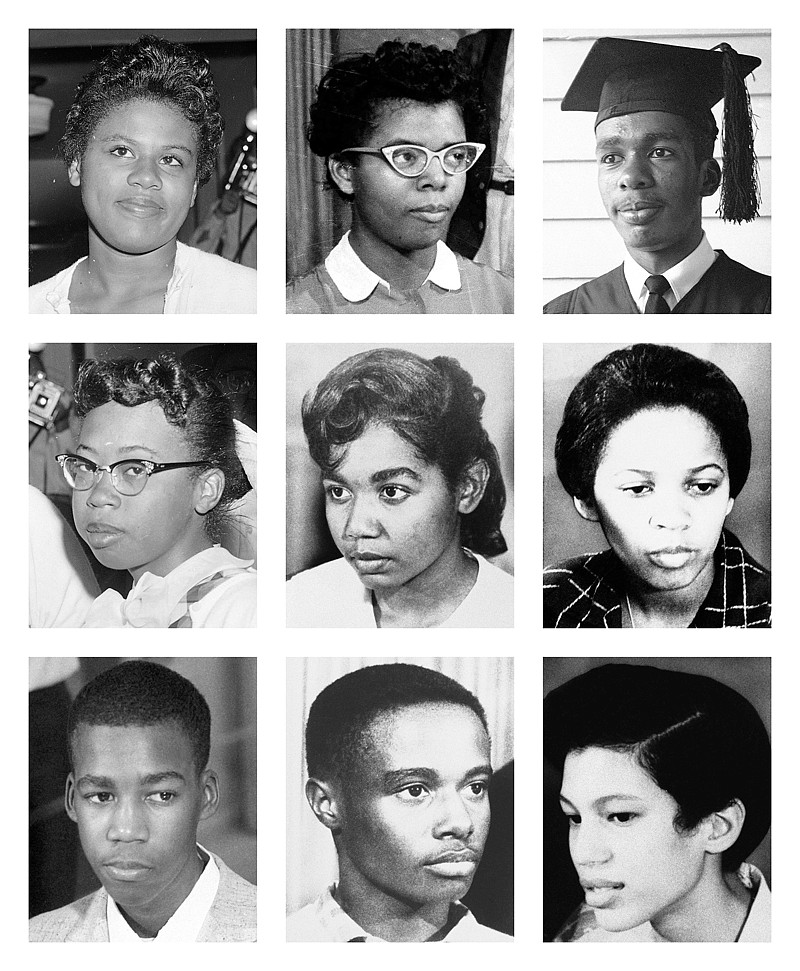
column 740, row 196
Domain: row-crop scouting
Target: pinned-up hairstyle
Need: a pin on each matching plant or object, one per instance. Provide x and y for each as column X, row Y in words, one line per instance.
column 432, row 404
column 189, row 400
column 143, row 693
column 337, row 731
column 640, row 378
column 150, row 70
column 696, row 738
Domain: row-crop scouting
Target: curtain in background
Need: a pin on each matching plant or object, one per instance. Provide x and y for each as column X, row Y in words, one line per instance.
column 312, row 228
column 310, row 856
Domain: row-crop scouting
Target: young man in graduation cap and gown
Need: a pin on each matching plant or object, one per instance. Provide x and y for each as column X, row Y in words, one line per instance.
column 655, row 150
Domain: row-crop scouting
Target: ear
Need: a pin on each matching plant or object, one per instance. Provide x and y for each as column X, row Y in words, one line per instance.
column 69, row 798
column 324, row 803
column 208, row 489
column 74, row 171
column 586, row 509
column 210, row 786
column 342, row 174
column 194, row 193
column 723, row 828
column 473, row 486
column 730, row 506
column 711, row 175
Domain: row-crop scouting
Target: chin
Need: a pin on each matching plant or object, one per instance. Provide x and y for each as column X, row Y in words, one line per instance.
column 617, row 921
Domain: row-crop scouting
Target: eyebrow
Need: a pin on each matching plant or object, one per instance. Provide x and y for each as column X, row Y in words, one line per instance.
column 133, row 141
column 151, row 779
column 615, row 797
column 614, row 141
column 122, row 448
column 381, row 476
column 693, row 471
column 398, row 776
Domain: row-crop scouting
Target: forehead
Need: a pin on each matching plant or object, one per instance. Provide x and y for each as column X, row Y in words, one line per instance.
column 151, row 122
column 411, row 122
column 643, row 126
column 113, row 427
column 378, row 448
column 663, row 439
column 596, row 773
column 122, row 751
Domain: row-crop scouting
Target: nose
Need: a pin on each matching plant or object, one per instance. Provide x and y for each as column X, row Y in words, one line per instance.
column 588, row 845
column 454, row 818
column 145, row 173
column 670, row 512
column 361, row 520
column 127, row 823
column 635, row 173
column 434, row 176
column 103, row 492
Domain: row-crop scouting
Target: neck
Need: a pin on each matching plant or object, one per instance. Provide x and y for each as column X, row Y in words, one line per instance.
column 387, row 917
column 668, row 608
column 147, row 918
column 173, row 558
column 429, row 598
column 657, row 262
column 713, row 911
column 401, row 269
column 113, row 271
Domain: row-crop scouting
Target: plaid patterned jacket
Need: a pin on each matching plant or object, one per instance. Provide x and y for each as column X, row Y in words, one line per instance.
column 587, row 591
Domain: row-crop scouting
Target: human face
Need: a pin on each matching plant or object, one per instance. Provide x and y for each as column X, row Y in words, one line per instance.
column 137, row 798
column 633, row 865
column 407, row 213
column 138, row 176
column 158, row 529
column 391, row 514
column 414, row 814
column 661, row 494
column 651, row 184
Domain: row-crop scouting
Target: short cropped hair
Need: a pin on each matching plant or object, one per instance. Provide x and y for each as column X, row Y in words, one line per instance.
column 138, row 693
column 354, row 89
column 189, row 399
column 696, row 738
column 432, row 404
column 150, row 70
column 337, row 731
column 639, row 378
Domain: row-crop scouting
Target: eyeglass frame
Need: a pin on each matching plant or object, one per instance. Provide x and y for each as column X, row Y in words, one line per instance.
column 387, row 149
column 153, row 468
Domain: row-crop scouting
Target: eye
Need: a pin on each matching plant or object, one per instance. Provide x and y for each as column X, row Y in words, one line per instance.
column 173, row 161
column 133, row 470
column 478, row 789
column 99, row 798
column 622, row 818
column 573, row 818
column 337, row 493
column 703, row 488
column 639, row 489
column 121, row 149
column 664, row 152
column 394, row 494
column 413, row 793
column 610, row 159
column 162, row 798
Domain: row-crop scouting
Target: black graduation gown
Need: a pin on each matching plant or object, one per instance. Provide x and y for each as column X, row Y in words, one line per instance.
column 727, row 287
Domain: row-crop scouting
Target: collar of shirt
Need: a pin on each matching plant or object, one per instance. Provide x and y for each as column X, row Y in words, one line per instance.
column 356, row 281
column 152, row 600
column 342, row 929
column 681, row 277
column 185, row 923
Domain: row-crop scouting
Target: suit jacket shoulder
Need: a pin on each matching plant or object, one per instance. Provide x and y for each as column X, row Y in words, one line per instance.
column 608, row 294
column 232, row 917
column 81, row 921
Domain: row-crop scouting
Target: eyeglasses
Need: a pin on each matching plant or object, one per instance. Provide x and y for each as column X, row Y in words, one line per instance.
column 413, row 160
column 128, row 477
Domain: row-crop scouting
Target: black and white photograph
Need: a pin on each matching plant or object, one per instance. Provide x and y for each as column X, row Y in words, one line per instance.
column 657, row 485
column 400, row 485
column 143, row 800
column 673, row 127
column 400, row 782
column 142, row 485
column 143, row 171
column 657, row 790
column 400, row 171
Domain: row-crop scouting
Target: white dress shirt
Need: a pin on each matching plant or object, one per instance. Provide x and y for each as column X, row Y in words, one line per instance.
column 681, row 277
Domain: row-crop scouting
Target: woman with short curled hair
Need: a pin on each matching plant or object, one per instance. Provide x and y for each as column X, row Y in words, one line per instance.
column 141, row 136
column 399, row 129
column 414, row 498
column 154, row 476
column 655, row 447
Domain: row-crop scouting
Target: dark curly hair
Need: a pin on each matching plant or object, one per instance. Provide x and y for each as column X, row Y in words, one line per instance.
column 189, row 400
column 352, row 92
column 143, row 693
column 337, row 731
column 638, row 378
column 151, row 70
column 696, row 738
column 432, row 404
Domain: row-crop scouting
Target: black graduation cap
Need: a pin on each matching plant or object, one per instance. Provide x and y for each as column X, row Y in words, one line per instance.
column 622, row 77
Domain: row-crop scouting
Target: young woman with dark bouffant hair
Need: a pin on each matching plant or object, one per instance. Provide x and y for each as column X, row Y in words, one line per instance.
column 141, row 136
column 154, row 475
column 414, row 498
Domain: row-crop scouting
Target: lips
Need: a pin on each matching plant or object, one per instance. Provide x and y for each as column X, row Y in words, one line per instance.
column 590, row 883
column 672, row 557
column 142, row 206
column 126, row 869
column 600, row 893
column 639, row 212
column 431, row 214
column 100, row 535
column 456, row 856
column 369, row 562
column 455, row 864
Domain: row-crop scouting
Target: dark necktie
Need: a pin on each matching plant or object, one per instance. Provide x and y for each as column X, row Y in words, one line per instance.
column 656, row 304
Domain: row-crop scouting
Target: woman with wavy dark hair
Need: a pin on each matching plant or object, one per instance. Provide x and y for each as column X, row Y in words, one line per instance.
column 399, row 129
column 414, row 498
column 655, row 447
column 141, row 136
column 154, row 476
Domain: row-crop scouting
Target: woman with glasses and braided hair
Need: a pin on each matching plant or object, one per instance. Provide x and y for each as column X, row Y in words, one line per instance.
column 397, row 130
column 154, row 475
